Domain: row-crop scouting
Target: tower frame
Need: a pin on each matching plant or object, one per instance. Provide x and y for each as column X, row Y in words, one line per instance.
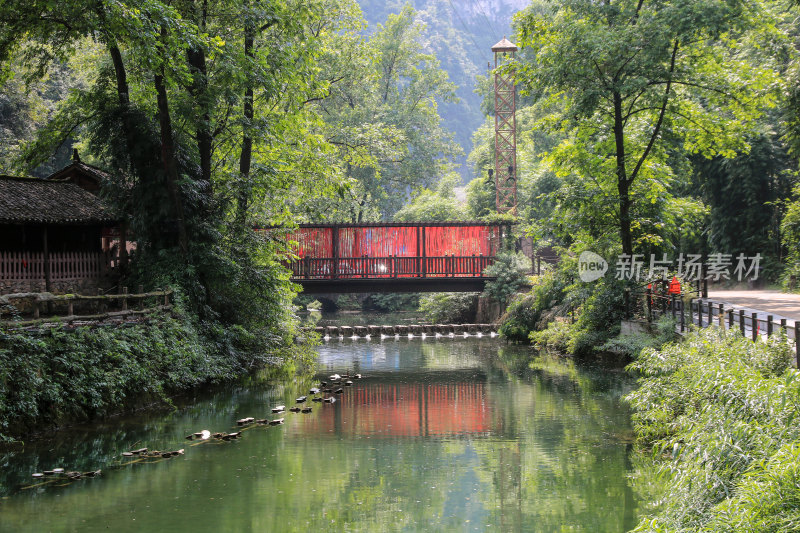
column 505, row 130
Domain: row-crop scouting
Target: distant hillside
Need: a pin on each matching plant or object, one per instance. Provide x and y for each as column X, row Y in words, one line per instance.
column 461, row 34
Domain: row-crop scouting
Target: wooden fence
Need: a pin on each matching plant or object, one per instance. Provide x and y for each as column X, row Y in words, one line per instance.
column 64, row 266
column 703, row 313
column 63, row 306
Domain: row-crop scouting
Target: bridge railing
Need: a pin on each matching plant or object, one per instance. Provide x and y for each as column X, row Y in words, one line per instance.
column 390, row 267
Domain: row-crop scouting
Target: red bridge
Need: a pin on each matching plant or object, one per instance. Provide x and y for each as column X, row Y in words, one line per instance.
column 394, row 257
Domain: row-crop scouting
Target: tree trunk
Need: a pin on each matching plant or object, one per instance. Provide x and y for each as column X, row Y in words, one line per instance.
column 170, row 165
column 123, row 94
column 197, row 66
column 246, row 156
column 623, row 184
column 625, row 217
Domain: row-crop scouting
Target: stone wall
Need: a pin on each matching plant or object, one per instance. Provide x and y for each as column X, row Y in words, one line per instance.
column 488, row 310
column 83, row 286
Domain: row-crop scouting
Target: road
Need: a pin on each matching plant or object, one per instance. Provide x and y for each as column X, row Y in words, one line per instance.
column 776, row 303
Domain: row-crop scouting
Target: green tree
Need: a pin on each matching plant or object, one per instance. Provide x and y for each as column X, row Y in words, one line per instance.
column 380, row 111
column 744, row 195
column 440, row 205
column 630, row 75
column 199, row 110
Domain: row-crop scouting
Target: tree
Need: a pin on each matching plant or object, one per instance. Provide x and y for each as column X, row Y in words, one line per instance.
column 440, row 205
column 631, row 75
column 198, row 107
column 380, row 111
column 744, row 195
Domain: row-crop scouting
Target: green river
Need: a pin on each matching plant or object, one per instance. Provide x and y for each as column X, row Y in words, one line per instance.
column 440, row 434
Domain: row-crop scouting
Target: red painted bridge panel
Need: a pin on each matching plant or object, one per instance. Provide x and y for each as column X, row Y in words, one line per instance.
column 394, row 250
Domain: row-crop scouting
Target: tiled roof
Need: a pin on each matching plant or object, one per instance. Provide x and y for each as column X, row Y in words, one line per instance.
column 82, row 168
column 28, row 200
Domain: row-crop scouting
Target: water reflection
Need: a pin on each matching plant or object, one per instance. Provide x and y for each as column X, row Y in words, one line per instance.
column 438, row 435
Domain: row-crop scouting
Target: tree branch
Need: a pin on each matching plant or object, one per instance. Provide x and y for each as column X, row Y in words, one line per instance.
column 657, row 128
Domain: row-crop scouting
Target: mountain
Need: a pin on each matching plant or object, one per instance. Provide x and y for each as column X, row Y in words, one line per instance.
column 461, row 34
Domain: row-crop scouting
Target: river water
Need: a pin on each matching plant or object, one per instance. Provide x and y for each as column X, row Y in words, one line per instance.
column 440, row 434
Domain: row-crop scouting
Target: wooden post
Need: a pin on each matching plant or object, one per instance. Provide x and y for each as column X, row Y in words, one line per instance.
column 70, row 309
column 46, row 258
column 683, row 317
column 700, row 313
column 710, row 314
column 769, row 325
column 335, row 246
column 423, row 253
column 538, row 265
column 783, row 326
column 166, row 296
column 705, row 288
column 741, row 321
column 754, row 325
column 730, row 318
column 672, row 305
column 648, row 293
column 796, row 343
column 123, row 247
column 125, row 300
column 722, row 316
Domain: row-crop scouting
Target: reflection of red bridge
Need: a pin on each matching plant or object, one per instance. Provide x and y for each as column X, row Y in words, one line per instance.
column 394, row 257
column 406, row 410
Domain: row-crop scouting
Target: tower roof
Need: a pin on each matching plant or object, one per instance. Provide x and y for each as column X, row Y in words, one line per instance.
column 504, row 46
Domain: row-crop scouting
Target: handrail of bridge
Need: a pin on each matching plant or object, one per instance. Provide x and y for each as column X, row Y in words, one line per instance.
column 390, row 267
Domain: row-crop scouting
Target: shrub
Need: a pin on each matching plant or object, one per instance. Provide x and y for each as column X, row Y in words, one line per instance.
column 386, row 302
column 720, row 414
column 509, row 273
column 531, row 312
column 449, row 307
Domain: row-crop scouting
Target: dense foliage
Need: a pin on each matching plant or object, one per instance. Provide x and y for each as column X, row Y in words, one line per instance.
column 60, row 377
column 720, row 414
column 449, row 308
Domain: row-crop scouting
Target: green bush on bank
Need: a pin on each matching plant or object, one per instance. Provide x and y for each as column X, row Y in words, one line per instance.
column 565, row 313
column 449, row 307
column 533, row 311
column 59, row 376
column 722, row 416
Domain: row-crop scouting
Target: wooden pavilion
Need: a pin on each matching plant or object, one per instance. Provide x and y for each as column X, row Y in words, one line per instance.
column 52, row 232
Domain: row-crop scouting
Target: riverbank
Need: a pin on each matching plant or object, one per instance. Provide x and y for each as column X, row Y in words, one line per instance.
column 719, row 413
column 55, row 377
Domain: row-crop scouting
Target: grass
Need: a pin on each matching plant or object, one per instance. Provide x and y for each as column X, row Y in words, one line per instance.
column 721, row 416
